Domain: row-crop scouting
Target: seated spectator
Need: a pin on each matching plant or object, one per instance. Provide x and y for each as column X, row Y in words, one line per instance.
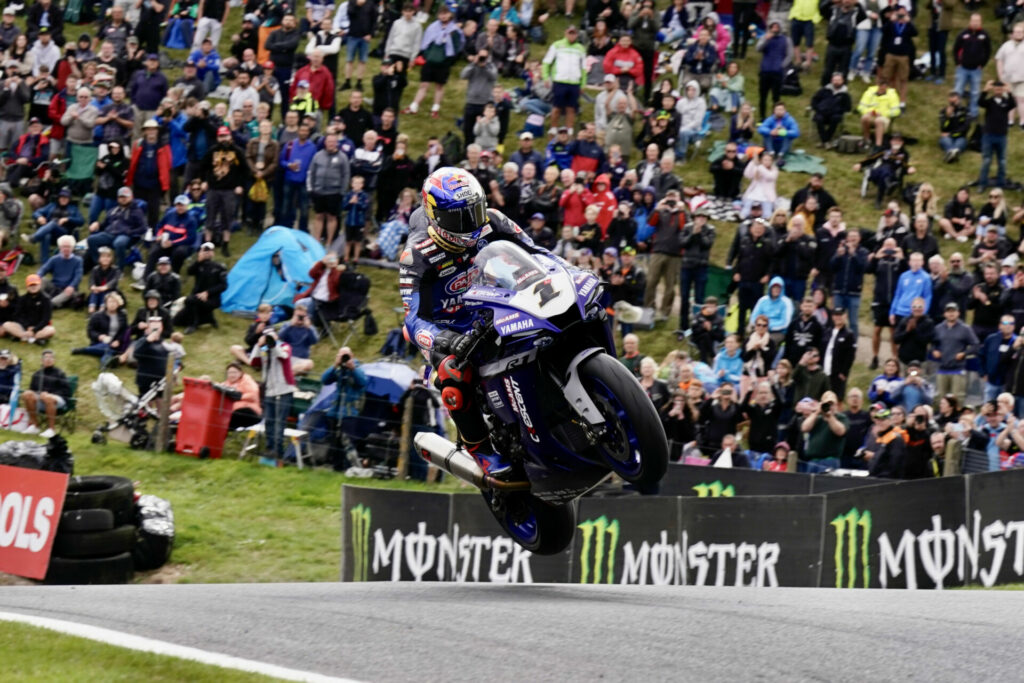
column 886, row 167
column 151, row 308
column 301, row 336
column 210, row 282
column 108, row 330
column 885, row 385
column 164, row 281
column 264, row 314
column 30, row 150
column 995, row 210
column 47, row 393
column 953, row 128
column 104, row 278
column 779, row 131
column 247, row 410
column 700, row 60
column 10, row 375
column 175, row 236
column 486, row 128
column 728, row 366
column 124, row 225
column 920, row 239
column 60, row 217
column 830, row 104
column 743, row 125
column 825, row 427
column 878, row 106
column 958, row 217
column 727, row 92
column 727, row 171
column 65, row 271
column 691, row 108
column 631, row 355
column 150, row 355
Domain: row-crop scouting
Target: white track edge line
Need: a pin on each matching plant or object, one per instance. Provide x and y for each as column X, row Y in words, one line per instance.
column 160, row 647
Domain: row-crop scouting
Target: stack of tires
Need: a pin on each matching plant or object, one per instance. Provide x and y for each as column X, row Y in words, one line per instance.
column 96, row 534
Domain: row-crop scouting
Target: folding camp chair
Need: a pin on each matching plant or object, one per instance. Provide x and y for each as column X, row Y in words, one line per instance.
column 353, row 303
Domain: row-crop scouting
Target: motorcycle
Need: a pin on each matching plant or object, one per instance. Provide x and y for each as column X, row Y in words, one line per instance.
column 558, row 402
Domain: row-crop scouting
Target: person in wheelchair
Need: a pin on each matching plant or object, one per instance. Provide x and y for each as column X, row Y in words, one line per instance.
column 886, row 167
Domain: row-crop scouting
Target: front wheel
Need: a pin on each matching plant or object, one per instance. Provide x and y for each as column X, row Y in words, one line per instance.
column 541, row 528
column 634, row 443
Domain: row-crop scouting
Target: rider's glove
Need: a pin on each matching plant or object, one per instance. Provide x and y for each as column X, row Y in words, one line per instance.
column 451, row 342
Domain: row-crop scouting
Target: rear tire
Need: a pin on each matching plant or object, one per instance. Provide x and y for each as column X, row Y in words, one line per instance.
column 634, row 446
column 541, row 528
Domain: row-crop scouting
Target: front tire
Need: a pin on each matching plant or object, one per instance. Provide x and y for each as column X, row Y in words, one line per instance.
column 542, row 528
column 634, row 445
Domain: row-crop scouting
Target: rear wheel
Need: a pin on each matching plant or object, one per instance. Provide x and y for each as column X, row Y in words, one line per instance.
column 634, row 443
column 541, row 528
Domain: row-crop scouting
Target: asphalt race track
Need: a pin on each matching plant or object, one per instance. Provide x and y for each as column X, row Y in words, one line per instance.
column 424, row 632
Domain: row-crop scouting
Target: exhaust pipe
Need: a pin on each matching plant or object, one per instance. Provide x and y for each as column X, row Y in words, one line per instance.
column 445, row 455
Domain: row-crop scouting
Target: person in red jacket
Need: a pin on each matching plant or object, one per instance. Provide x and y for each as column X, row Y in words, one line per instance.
column 321, row 82
column 149, row 172
column 58, row 105
column 601, row 196
column 326, row 288
column 572, row 202
column 31, row 149
column 624, row 61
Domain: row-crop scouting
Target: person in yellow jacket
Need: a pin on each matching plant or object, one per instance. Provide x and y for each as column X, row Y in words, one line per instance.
column 878, row 106
column 803, row 15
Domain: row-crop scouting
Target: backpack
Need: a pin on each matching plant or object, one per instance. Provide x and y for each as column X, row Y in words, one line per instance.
column 791, row 83
column 452, row 145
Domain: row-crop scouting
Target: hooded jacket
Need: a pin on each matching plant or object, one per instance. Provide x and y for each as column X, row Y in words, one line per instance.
column 778, row 309
column 625, row 61
column 603, row 199
column 831, row 102
column 691, row 109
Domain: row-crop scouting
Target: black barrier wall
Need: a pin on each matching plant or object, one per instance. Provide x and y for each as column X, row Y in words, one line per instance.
column 930, row 533
column 713, row 482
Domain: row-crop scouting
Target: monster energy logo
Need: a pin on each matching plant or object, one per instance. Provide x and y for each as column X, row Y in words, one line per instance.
column 714, row 490
column 853, row 535
column 604, row 536
column 361, row 517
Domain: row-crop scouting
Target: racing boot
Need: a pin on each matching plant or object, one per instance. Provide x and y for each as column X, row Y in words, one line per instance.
column 491, row 462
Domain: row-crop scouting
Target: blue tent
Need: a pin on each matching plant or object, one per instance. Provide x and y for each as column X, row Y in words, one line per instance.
column 255, row 279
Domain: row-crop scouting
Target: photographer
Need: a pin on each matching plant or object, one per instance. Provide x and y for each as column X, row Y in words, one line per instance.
column 480, row 76
column 919, row 448
column 887, row 446
column 826, row 429
column 720, row 415
column 150, row 354
column 351, row 381
column 299, row 334
column 278, row 387
column 914, row 391
column 669, row 221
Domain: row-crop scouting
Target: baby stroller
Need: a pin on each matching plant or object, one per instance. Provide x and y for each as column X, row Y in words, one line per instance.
column 128, row 416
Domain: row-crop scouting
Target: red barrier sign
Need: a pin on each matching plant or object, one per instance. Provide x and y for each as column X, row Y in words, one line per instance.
column 30, row 507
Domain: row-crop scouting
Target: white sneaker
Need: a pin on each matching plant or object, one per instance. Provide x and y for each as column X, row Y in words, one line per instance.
column 49, row 433
column 31, row 340
column 961, row 238
column 948, row 236
column 32, row 429
column 866, row 77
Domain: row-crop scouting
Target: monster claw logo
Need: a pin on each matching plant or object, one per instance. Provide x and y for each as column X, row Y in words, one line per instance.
column 361, row 518
column 853, row 534
column 714, row 490
column 604, row 536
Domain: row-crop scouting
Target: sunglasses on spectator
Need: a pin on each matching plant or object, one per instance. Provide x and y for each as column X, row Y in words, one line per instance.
column 760, row 325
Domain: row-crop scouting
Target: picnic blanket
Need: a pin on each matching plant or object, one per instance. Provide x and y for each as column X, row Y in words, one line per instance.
column 797, row 161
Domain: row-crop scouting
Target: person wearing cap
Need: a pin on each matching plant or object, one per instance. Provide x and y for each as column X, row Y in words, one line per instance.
column 8, row 29
column 995, row 354
column 164, row 281
column 152, row 307
column 123, row 226
column 207, row 61
column 149, row 171
column 564, row 67
column 226, row 173
column 103, row 278
column 886, row 448
column 540, row 233
column 388, row 86
column 212, row 16
column 44, row 52
column 175, row 235
column 318, row 79
column 953, row 342
column 210, row 282
column 147, row 88
column 998, row 106
column 986, row 301
column 752, row 260
column 48, row 392
column 825, row 428
column 887, row 167
column 59, row 217
column 606, row 102
column 405, row 38
column 31, row 149
column 303, row 102
column 696, row 240
column 33, row 311
column 266, row 83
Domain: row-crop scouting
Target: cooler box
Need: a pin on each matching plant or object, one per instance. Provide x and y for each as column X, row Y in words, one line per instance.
column 205, row 414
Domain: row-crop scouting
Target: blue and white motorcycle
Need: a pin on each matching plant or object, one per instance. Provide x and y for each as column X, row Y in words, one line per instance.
column 559, row 403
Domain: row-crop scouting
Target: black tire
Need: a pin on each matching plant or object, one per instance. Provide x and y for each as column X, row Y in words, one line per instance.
column 553, row 526
column 109, row 493
column 79, row 521
column 635, row 446
column 66, row 571
column 151, row 551
column 95, row 544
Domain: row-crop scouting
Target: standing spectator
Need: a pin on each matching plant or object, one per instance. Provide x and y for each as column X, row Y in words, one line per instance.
column 1010, row 66
column 843, row 17
column 998, row 107
column 803, row 15
column 226, row 173
column 175, row 235
column 804, row 333
column 830, row 104
column 480, row 75
column 282, row 45
column 888, row 460
column 328, row 179
column 986, row 301
column 953, row 127
column 840, row 347
column 362, row 16
column 753, row 258
column 296, row 157
column 45, row 13
column 210, row 282
column 207, row 63
column 914, row 333
column 65, row 271
column 279, row 386
column 995, row 353
column 123, row 226
column 149, row 172
column 776, row 55
column 869, row 34
column 696, row 240
column 631, row 355
column 442, row 44
column 971, row 51
column 898, row 46
column 777, row 308
column 720, row 416
column 912, row 284
column 953, row 342
column 779, row 131
column 404, row 39
column 848, row 267
column 858, row 424
column 669, row 221
column 564, row 67
column 921, row 239
column 691, row 107
column 48, row 392
column 708, row 330
column 351, row 380
column 645, row 27
column 212, row 15
column 762, row 172
column 147, row 89
column 938, row 34
column 356, row 208
column 952, row 283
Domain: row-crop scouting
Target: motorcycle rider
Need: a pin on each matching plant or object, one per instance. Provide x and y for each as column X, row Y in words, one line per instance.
column 447, row 232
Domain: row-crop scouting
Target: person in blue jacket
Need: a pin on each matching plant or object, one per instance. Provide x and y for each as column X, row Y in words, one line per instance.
column 729, row 361
column 996, row 352
column 912, row 283
column 207, row 62
column 175, row 235
column 885, row 385
column 779, row 131
column 848, row 266
column 351, row 381
column 775, row 306
column 174, row 123
column 60, row 217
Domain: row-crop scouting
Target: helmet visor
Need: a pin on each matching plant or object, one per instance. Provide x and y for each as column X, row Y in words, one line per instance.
column 462, row 221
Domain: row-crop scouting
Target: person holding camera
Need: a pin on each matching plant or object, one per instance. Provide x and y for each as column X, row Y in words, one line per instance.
column 669, row 222
column 480, row 75
column 351, row 381
column 150, row 354
column 914, row 391
column 300, row 335
column 886, row 447
column 826, row 429
column 278, row 387
column 720, row 415
column 897, row 45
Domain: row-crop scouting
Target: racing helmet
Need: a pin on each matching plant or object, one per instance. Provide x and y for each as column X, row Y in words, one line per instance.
column 456, row 208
